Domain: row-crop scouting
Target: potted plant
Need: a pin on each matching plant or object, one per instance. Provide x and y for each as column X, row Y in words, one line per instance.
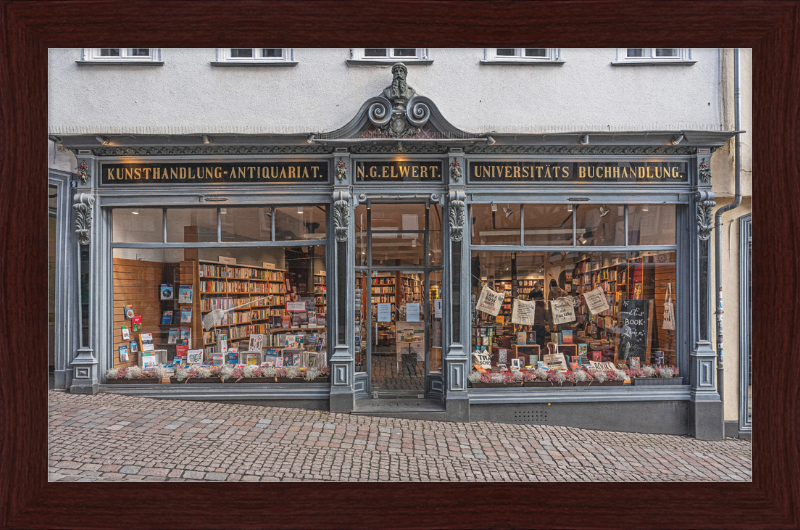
column 490, row 380
column 539, row 379
column 317, row 374
column 474, row 378
column 289, row 374
column 195, row 374
column 658, row 376
column 133, row 375
column 557, row 377
column 513, row 379
column 583, row 378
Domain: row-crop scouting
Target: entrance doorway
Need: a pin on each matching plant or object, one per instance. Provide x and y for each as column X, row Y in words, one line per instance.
column 399, row 307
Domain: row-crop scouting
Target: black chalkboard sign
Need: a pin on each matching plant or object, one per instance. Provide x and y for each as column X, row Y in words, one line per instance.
column 635, row 321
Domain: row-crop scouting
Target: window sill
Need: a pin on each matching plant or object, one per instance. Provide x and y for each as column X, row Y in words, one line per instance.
column 388, row 62
column 120, row 63
column 521, row 62
column 254, row 63
column 652, row 63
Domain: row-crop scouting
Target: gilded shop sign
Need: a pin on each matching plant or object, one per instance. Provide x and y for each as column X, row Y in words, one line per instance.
column 583, row 172
column 399, row 171
column 199, row 173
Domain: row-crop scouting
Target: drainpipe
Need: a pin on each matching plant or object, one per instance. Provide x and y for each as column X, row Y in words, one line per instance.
column 718, row 221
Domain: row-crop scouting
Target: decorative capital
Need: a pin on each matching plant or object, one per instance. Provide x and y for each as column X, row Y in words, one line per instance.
column 455, row 170
column 341, row 217
column 341, row 170
column 456, row 220
column 83, row 171
column 705, row 218
column 705, row 172
column 84, row 203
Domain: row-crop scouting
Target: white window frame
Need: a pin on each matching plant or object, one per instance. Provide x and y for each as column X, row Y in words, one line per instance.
column 93, row 54
column 684, row 57
column 358, row 54
column 224, row 55
column 551, row 54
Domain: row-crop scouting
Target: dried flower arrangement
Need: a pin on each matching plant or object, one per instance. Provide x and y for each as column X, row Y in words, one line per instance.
column 486, row 378
column 621, row 375
column 292, row 371
column 324, row 371
column 270, row 371
column 311, row 374
column 649, row 371
column 541, row 374
column 226, row 372
column 611, row 375
column 556, row 376
column 600, row 376
column 159, row 371
column 581, row 376
column 529, row 377
column 474, row 377
column 517, row 376
column 666, row 372
column 497, row 378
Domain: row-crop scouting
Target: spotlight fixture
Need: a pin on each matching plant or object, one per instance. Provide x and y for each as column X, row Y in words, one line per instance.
column 399, row 146
column 135, row 212
column 494, row 207
column 645, row 207
column 583, row 239
column 677, row 139
column 310, row 139
column 569, row 207
column 369, row 204
column 206, row 140
column 490, row 140
column 102, row 139
column 414, row 242
column 604, row 211
column 299, row 209
column 508, row 211
column 584, row 139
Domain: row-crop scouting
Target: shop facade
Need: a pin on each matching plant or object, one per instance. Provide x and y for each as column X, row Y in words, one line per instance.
column 393, row 228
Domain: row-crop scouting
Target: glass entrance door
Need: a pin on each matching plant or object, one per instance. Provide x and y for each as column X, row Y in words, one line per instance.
column 398, row 280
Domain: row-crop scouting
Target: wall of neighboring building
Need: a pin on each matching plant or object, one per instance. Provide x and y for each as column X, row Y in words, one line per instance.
column 187, row 95
column 723, row 184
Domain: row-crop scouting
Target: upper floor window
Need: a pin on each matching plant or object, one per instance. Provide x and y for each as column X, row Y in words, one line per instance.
column 653, row 56
column 121, row 55
column 366, row 56
column 522, row 56
column 255, row 57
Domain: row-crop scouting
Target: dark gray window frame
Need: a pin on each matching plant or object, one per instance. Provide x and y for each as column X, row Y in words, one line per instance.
column 745, row 318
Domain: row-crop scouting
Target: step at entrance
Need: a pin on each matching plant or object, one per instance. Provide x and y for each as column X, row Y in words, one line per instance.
column 410, row 409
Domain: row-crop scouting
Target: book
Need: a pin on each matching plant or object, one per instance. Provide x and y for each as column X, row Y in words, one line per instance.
column 149, row 360
column 123, row 354
column 134, row 346
column 166, row 291
column 185, row 335
column 222, row 345
column 166, row 317
column 186, row 315
column 233, row 357
column 294, row 341
column 659, row 357
column 521, row 337
column 582, row 349
column 194, row 356
column 597, row 356
column 321, row 320
column 531, row 338
column 554, row 338
column 185, row 293
column 634, row 363
column 217, row 359
column 286, row 321
column 146, row 342
column 173, row 336
column 181, row 351
column 252, row 359
column 137, row 323
column 128, row 310
column 566, row 336
column 271, row 357
column 126, row 335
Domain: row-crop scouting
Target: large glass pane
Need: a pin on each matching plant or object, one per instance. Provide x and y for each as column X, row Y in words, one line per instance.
column 495, row 224
column 274, row 303
column 361, row 230
column 405, row 52
column 138, row 52
column 435, row 256
column 241, row 52
column 396, row 217
column 666, row 52
column 297, row 223
column 435, row 312
column 636, row 327
column 246, row 224
column 398, row 250
column 375, row 52
column 138, row 225
column 362, row 286
column 192, row 225
column 535, row 52
column 602, row 225
column 651, row 224
column 506, row 52
column 109, row 52
column 548, row 224
column 635, row 52
column 272, row 53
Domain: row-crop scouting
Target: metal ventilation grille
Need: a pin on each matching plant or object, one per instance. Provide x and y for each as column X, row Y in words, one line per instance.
column 531, row 415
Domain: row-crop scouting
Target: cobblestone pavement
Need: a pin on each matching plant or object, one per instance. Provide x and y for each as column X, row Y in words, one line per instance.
column 119, row 438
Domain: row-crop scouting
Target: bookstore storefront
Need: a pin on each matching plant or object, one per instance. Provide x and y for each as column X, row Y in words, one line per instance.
column 502, row 278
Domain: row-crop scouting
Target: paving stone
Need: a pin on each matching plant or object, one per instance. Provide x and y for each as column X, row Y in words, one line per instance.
column 130, row 470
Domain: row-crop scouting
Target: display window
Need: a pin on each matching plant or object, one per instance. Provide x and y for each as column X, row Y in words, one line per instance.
column 220, row 311
column 574, row 315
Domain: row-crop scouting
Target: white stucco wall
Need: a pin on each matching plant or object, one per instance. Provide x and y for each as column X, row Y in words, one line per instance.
column 188, row 95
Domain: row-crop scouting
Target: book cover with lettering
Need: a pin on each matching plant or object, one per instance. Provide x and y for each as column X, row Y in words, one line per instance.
column 149, row 360
column 166, row 317
column 566, row 336
column 166, row 291
column 531, row 339
column 233, row 357
column 252, row 359
column 185, row 335
column 137, row 323
column 146, row 342
column 217, row 359
column 128, row 310
column 186, row 315
column 597, row 356
column 126, row 335
column 172, row 338
column 286, row 321
column 123, row 354
column 185, row 294
column 134, row 346
column 181, row 350
column 521, row 337
column 582, row 349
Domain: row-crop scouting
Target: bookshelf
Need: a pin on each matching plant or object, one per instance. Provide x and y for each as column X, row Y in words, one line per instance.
column 320, row 293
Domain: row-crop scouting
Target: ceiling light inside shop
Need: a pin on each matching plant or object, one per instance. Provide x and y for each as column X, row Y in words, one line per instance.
column 494, row 207
column 299, row 209
column 135, row 212
column 508, row 211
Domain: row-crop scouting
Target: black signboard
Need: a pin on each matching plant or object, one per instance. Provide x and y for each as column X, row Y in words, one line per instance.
column 200, row 173
column 634, row 331
column 583, row 172
column 399, row 171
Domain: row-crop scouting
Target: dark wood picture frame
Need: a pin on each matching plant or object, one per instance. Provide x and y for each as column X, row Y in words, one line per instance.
column 29, row 28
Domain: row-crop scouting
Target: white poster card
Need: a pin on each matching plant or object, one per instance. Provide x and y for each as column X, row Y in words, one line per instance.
column 256, row 343
column 490, row 301
column 522, row 312
column 563, row 310
column 384, row 312
column 596, row 301
column 437, row 308
column 412, row 312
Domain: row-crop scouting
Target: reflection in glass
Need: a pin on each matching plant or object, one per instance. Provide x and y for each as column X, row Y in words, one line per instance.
column 396, row 217
column 495, row 224
column 191, row 225
column 139, row 225
column 246, row 224
column 651, row 224
column 548, row 225
column 600, row 225
column 435, row 330
column 296, row 223
column 398, row 250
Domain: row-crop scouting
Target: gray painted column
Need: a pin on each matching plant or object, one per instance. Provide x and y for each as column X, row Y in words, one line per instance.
column 342, row 361
column 84, row 364
column 456, row 361
column 705, row 411
column 65, row 327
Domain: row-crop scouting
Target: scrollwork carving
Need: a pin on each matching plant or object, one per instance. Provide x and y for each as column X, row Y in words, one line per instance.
column 83, row 217
column 456, row 220
column 705, row 218
column 417, row 112
column 380, row 113
column 341, row 218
